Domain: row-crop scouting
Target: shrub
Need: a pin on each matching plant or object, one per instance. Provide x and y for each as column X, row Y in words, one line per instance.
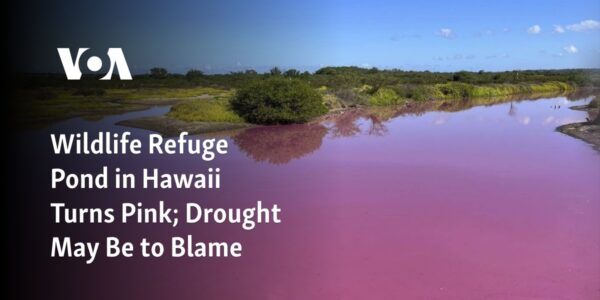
column 551, row 86
column 86, row 92
column 384, row 96
column 291, row 73
column 278, row 100
column 158, row 73
column 349, row 97
column 193, row 74
column 454, row 90
column 425, row 92
column 419, row 92
column 275, row 71
column 332, row 102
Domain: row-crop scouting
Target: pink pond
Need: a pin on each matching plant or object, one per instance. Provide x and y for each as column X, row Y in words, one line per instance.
column 487, row 202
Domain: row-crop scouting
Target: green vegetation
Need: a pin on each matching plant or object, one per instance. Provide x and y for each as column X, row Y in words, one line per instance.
column 383, row 97
column 49, row 104
column 333, row 78
column 158, row 73
column 194, row 74
column 213, row 110
column 278, row 101
column 458, row 90
column 165, row 93
column 277, row 96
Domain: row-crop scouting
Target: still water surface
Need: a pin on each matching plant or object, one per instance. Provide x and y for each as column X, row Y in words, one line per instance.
column 485, row 202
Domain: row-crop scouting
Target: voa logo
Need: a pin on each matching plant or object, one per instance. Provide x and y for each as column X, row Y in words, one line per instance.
column 94, row 63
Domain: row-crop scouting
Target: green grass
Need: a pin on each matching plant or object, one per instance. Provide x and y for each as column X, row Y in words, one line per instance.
column 385, row 96
column 36, row 107
column 456, row 90
column 165, row 93
column 50, row 104
column 47, row 104
column 202, row 110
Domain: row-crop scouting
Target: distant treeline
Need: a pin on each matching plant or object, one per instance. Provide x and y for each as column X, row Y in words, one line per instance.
column 328, row 77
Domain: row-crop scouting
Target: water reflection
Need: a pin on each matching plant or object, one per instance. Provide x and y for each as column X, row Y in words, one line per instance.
column 504, row 194
column 280, row 144
column 348, row 123
column 512, row 111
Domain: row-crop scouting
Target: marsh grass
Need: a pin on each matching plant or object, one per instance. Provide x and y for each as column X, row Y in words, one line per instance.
column 456, row 90
column 47, row 103
column 166, row 93
column 51, row 104
column 204, row 110
column 385, row 96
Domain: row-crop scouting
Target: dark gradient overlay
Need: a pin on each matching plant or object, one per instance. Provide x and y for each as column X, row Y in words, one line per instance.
column 484, row 202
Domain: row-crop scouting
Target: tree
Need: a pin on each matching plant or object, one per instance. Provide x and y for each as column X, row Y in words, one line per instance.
column 291, row 73
column 193, row 74
column 157, row 72
column 277, row 100
column 373, row 70
column 275, row 71
column 463, row 76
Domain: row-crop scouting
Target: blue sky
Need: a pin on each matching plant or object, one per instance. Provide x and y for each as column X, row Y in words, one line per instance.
column 226, row 35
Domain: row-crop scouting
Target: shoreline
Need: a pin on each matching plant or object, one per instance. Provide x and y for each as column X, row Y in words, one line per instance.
column 588, row 131
column 169, row 126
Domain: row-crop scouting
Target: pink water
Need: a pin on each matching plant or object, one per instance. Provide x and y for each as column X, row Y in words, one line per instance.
column 484, row 203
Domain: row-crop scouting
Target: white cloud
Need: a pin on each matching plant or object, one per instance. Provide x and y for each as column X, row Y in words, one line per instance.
column 559, row 29
column 535, row 29
column 584, row 26
column 446, row 33
column 571, row 49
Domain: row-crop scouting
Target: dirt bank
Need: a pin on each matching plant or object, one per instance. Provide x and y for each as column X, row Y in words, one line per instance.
column 588, row 131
